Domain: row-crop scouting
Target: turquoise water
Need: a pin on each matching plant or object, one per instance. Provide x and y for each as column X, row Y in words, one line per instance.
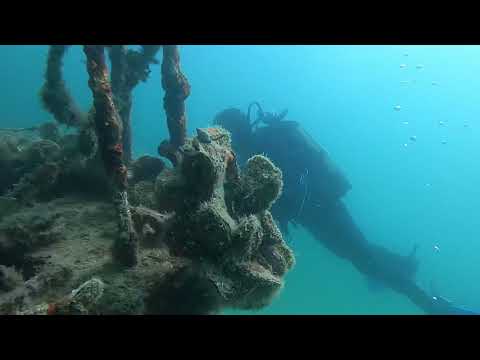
column 425, row 192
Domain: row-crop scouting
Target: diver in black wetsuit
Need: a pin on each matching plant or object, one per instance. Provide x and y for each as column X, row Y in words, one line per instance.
column 312, row 197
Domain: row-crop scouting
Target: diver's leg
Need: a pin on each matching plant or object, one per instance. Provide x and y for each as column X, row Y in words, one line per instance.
column 334, row 226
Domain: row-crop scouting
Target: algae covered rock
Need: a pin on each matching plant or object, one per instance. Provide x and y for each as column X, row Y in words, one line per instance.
column 25, row 231
column 42, row 151
column 247, row 237
column 49, row 131
column 9, row 278
column 207, row 240
column 257, row 285
column 261, row 184
column 227, row 229
column 146, row 168
column 169, row 190
column 274, row 249
column 142, row 194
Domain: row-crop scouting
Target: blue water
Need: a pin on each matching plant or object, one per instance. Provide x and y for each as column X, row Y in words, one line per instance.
column 425, row 192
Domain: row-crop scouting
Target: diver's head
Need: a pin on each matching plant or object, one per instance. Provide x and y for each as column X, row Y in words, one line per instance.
column 238, row 124
column 242, row 128
column 235, row 121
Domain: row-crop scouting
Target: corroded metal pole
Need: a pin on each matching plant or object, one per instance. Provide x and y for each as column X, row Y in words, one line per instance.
column 129, row 68
column 109, row 132
column 177, row 89
column 122, row 96
column 54, row 95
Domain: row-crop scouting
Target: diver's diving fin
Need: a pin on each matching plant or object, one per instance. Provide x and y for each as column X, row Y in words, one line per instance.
column 282, row 115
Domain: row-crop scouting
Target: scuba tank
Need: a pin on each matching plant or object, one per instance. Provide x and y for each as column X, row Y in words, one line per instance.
column 296, row 153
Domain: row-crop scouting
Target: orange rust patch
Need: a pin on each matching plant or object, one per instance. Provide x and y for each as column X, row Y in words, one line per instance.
column 229, row 157
column 52, row 309
column 213, row 131
column 118, row 148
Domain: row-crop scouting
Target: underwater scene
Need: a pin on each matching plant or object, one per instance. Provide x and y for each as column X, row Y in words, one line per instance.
column 239, row 179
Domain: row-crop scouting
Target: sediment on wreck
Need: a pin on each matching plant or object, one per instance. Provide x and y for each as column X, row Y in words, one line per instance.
column 109, row 132
column 200, row 233
column 207, row 242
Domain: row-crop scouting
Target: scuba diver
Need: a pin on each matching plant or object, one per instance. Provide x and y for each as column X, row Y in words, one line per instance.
column 312, row 197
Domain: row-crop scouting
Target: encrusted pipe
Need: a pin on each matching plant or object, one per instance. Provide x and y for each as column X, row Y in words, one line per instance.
column 122, row 96
column 177, row 89
column 109, row 132
column 54, row 95
column 129, row 68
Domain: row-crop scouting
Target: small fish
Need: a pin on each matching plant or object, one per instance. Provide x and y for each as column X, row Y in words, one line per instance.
column 419, row 66
column 405, row 54
column 402, row 66
column 397, row 107
column 434, row 83
column 436, row 248
column 440, row 123
column 413, row 138
column 444, row 142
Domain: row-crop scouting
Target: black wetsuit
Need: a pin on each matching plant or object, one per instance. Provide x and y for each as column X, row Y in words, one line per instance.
column 312, row 196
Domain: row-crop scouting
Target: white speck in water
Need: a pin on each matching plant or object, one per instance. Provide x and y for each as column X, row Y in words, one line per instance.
column 405, row 145
column 440, row 123
column 428, row 184
column 405, row 123
column 419, row 66
column 397, row 107
column 434, row 298
column 436, row 248
column 403, row 66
